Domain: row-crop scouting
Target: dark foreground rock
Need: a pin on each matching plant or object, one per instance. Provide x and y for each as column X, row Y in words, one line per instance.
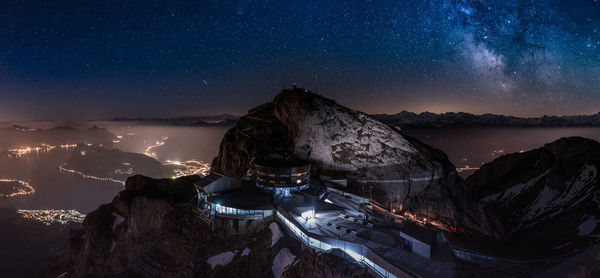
column 28, row 245
column 151, row 230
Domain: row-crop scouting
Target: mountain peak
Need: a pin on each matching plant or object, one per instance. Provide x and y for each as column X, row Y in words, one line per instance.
column 399, row 172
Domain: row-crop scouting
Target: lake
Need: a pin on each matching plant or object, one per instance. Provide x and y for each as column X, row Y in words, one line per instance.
column 473, row 147
column 466, row 147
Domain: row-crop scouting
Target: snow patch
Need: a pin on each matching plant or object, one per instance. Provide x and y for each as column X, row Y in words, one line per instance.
column 220, row 259
column 552, row 202
column 509, row 194
column 276, row 233
column 586, row 176
column 587, row 227
column 246, row 251
column 562, row 245
column 541, row 203
column 119, row 219
column 283, row 259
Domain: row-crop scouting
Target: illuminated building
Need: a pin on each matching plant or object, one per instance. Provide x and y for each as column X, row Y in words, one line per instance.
column 227, row 197
column 321, row 217
column 281, row 176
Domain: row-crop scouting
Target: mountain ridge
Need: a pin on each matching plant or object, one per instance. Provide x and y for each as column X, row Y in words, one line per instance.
column 547, row 197
column 399, row 172
column 462, row 119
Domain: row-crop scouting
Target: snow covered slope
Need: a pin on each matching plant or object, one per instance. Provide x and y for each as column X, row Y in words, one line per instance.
column 549, row 196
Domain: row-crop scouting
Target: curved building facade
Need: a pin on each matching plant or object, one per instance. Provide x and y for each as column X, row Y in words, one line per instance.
column 281, row 176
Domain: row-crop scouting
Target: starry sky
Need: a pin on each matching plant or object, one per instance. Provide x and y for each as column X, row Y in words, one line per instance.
column 114, row 58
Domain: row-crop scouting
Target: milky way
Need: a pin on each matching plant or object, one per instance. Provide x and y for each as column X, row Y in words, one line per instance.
column 102, row 59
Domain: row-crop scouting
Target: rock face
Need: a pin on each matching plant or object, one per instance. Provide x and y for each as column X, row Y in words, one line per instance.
column 548, row 199
column 28, row 245
column 150, row 230
column 399, row 172
column 312, row 127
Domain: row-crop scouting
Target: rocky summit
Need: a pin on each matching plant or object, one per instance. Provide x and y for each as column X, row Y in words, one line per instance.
column 548, row 199
column 399, row 172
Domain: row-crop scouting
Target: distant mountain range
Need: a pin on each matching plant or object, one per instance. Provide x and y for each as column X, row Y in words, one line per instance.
column 16, row 136
column 461, row 119
column 405, row 119
column 212, row 120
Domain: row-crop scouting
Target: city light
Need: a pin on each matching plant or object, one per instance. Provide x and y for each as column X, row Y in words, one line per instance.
column 68, row 146
column 26, row 150
column 50, row 216
column 20, row 188
column 38, row 149
column 149, row 150
column 188, row 167
column 62, row 168
column 496, row 152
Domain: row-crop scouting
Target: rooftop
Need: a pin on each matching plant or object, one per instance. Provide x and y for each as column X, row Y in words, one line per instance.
column 281, row 163
column 206, row 180
column 383, row 237
column 247, row 197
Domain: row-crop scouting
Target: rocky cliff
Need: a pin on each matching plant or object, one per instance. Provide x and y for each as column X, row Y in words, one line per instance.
column 401, row 173
column 548, row 199
column 29, row 245
column 151, row 230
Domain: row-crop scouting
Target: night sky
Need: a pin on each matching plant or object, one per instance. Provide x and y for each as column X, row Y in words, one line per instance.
column 104, row 59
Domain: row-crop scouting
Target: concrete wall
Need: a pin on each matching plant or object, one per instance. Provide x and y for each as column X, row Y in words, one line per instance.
column 355, row 198
column 228, row 227
column 334, row 182
column 418, row 247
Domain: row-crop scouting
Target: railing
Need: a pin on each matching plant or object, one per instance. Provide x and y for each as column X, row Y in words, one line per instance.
column 228, row 212
column 353, row 197
column 261, row 215
column 364, row 256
